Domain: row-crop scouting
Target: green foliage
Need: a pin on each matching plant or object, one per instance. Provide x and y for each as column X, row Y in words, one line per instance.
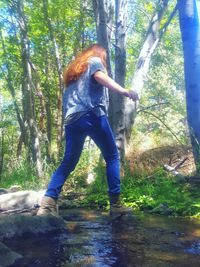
column 158, row 194
column 21, row 174
column 97, row 196
column 78, row 178
column 162, row 102
column 162, row 113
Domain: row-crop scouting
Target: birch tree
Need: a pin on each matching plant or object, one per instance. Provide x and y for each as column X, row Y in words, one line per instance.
column 59, row 72
column 8, row 78
column 116, row 107
column 190, row 30
column 153, row 36
column 104, row 16
column 27, row 90
column 122, row 114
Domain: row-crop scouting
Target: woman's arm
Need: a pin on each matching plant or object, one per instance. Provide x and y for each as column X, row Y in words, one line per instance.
column 106, row 81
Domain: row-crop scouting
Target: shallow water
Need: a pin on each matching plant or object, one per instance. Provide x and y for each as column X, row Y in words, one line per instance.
column 93, row 240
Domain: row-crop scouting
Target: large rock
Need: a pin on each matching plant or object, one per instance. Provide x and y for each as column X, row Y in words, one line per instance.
column 20, row 200
column 13, row 188
column 15, row 226
column 7, row 256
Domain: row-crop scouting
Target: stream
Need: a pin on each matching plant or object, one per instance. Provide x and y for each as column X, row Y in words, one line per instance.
column 92, row 239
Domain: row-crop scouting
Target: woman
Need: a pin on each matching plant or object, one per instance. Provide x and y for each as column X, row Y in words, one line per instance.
column 85, row 102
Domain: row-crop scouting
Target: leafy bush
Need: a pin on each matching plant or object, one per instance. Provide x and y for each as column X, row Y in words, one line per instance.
column 158, row 193
column 22, row 174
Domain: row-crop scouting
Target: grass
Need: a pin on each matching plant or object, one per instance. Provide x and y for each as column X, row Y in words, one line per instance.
column 23, row 175
column 158, row 193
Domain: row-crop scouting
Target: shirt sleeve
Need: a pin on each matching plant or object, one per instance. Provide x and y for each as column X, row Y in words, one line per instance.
column 96, row 65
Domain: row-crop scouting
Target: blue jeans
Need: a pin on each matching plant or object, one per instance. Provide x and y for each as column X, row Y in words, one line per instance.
column 99, row 130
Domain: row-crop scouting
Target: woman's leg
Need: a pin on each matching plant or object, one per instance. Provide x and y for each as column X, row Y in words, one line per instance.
column 102, row 135
column 75, row 137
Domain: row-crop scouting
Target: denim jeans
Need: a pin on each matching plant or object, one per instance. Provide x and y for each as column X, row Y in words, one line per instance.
column 99, row 130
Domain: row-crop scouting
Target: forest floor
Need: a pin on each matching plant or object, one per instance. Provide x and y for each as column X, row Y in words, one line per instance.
column 169, row 155
column 144, row 239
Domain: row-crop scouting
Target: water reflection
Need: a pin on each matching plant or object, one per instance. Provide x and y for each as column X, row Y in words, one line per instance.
column 92, row 240
column 133, row 241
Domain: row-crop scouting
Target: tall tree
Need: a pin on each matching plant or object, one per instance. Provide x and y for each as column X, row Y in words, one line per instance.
column 59, row 72
column 190, row 30
column 27, row 89
column 153, row 36
column 116, row 106
column 1, row 138
column 8, row 77
column 103, row 12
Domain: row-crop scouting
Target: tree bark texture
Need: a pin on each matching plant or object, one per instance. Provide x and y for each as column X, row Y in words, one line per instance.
column 60, row 76
column 151, row 41
column 103, row 11
column 11, row 89
column 48, row 141
column 116, row 106
column 28, row 98
column 1, row 138
column 190, row 30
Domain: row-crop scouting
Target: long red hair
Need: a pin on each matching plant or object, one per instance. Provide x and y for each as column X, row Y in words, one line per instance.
column 80, row 64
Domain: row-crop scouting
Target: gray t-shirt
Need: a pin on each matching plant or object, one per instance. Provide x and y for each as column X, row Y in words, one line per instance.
column 86, row 94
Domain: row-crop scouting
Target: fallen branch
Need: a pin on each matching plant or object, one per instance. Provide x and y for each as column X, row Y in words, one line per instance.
column 180, row 163
column 18, row 211
column 166, row 126
column 174, row 169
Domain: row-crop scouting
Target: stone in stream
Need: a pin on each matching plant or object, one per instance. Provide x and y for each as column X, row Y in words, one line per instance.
column 20, row 200
column 14, row 226
column 7, row 256
column 13, row 188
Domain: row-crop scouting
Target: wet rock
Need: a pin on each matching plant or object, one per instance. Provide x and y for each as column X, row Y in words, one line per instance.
column 3, row 191
column 20, row 200
column 14, row 226
column 12, row 189
column 7, row 256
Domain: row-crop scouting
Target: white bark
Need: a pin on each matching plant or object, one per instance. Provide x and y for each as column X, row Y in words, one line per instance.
column 28, row 99
column 60, row 76
column 190, row 29
column 116, row 100
column 151, row 42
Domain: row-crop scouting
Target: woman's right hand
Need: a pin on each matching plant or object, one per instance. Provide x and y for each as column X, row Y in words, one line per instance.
column 133, row 95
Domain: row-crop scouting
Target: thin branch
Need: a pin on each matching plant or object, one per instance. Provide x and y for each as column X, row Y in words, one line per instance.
column 164, row 28
column 152, row 106
column 168, row 128
column 18, row 211
column 180, row 164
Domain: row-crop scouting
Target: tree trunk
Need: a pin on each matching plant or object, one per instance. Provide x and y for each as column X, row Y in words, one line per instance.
column 1, row 138
column 28, row 98
column 11, row 89
column 189, row 25
column 102, row 17
column 116, row 107
column 48, row 141
column 152, row 39
column 103, row 14
column 60, row 77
